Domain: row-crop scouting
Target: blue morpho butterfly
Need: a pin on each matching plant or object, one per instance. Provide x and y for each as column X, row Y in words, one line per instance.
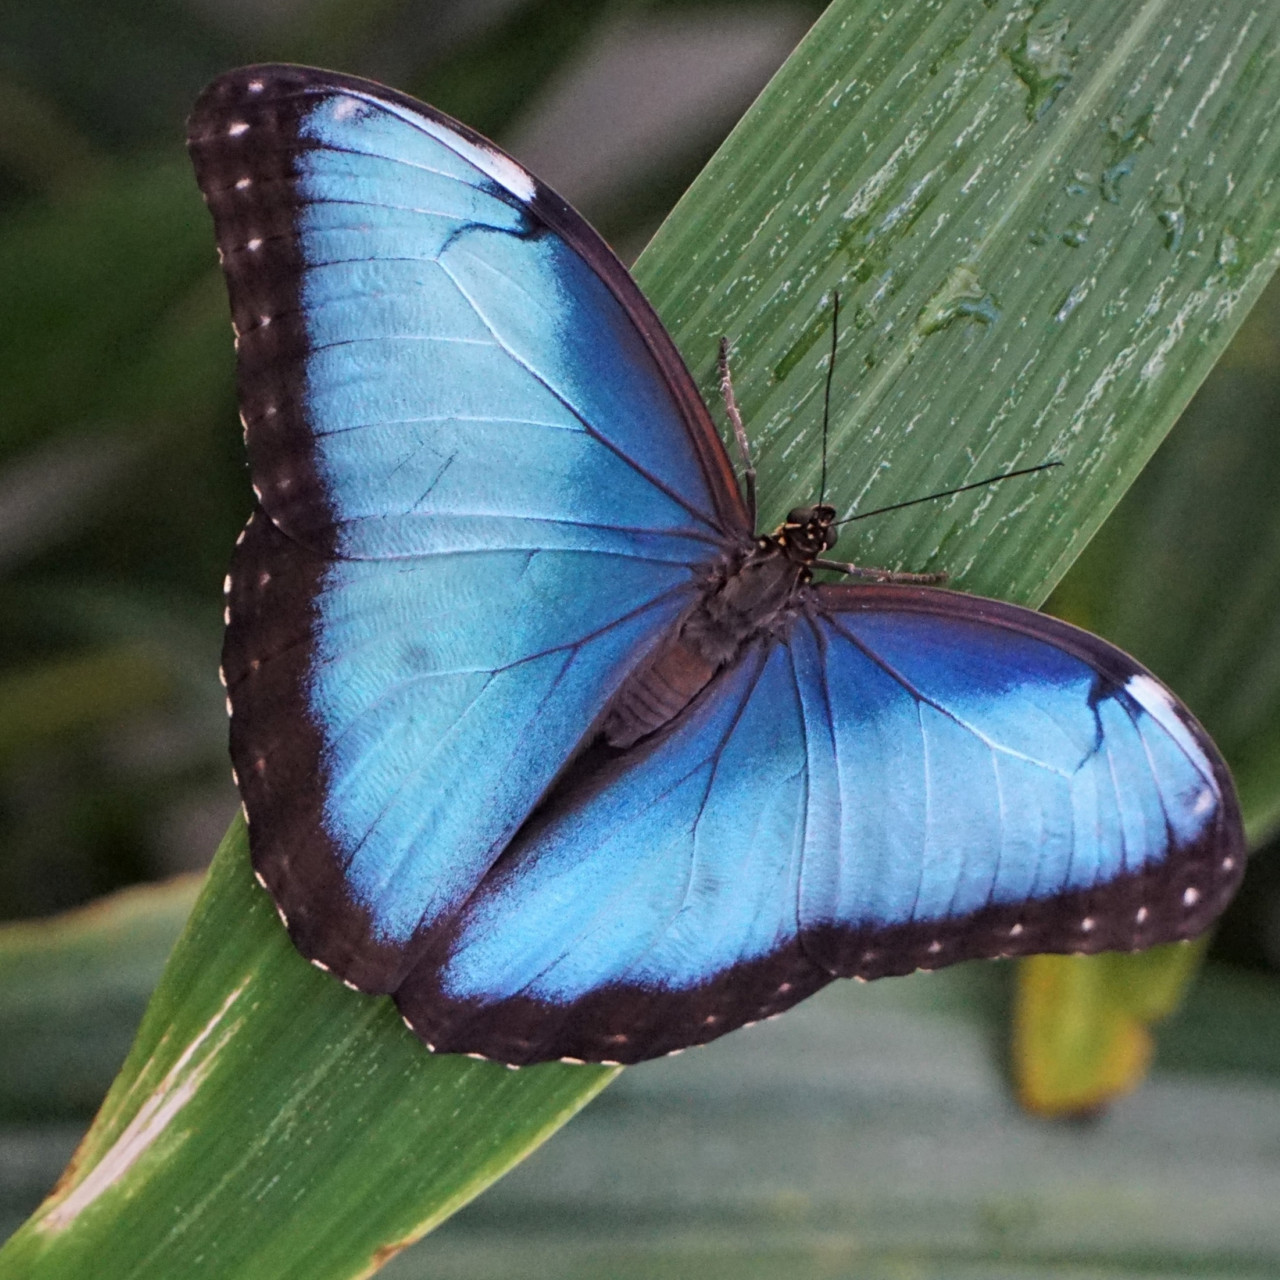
column 532, row 730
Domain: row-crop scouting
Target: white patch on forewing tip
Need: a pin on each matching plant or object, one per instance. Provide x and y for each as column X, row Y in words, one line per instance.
column 1153, row 696
column 502, row 169
column 488, row 159
column 1160, row 704
column 237, row 128
column 151, row 1120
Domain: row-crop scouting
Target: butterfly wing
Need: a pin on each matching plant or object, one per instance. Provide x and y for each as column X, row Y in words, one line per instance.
column 905, row 778
column 999, row 783
column 486, row 486
column 653, row 904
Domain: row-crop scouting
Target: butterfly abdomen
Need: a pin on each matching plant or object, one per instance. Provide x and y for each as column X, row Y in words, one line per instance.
column 735, row 610
column 657, row 694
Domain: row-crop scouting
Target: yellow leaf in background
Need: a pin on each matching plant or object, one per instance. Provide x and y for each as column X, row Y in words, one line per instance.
column 1082, row 1024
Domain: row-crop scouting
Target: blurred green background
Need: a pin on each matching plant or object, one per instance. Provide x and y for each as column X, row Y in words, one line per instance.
column 122, row 487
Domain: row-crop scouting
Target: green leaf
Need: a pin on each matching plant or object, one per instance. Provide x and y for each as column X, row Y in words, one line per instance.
column 1082, row 1024
column 868, row 1136
column 1186, row 575
column 996, row 316
column 256, row 1079
column 868, row 1133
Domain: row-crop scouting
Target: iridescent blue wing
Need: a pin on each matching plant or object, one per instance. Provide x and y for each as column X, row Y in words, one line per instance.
column 486, row 486
column 903, row 779
column 1038, row 789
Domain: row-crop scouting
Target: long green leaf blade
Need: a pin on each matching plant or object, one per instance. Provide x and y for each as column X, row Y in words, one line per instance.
column 257, row 1081
column 72, row 990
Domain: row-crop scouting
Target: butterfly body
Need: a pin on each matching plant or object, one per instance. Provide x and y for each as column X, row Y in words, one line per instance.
column 533, row 730
column 750, row 596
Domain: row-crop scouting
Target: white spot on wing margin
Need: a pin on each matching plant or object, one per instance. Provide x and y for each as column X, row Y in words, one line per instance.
column 151, row 1120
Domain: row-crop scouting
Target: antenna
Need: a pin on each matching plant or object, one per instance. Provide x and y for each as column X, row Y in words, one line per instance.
column 946, row 493
column 826, row 397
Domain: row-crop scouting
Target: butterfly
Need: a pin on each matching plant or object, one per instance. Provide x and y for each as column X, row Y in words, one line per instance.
column 532, row 729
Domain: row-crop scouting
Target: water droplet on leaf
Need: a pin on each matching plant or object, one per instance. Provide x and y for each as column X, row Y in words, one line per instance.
column 1043, row 63
column 962, row 297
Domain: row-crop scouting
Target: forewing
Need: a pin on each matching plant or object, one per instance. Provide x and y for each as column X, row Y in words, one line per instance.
column 992, row 781
column 486, row 487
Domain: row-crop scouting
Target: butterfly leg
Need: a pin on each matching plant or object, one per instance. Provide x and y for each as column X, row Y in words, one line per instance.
column 880, row 575
column 739, row 431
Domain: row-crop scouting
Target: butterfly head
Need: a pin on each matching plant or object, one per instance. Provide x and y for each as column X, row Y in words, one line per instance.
column 808, row 532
